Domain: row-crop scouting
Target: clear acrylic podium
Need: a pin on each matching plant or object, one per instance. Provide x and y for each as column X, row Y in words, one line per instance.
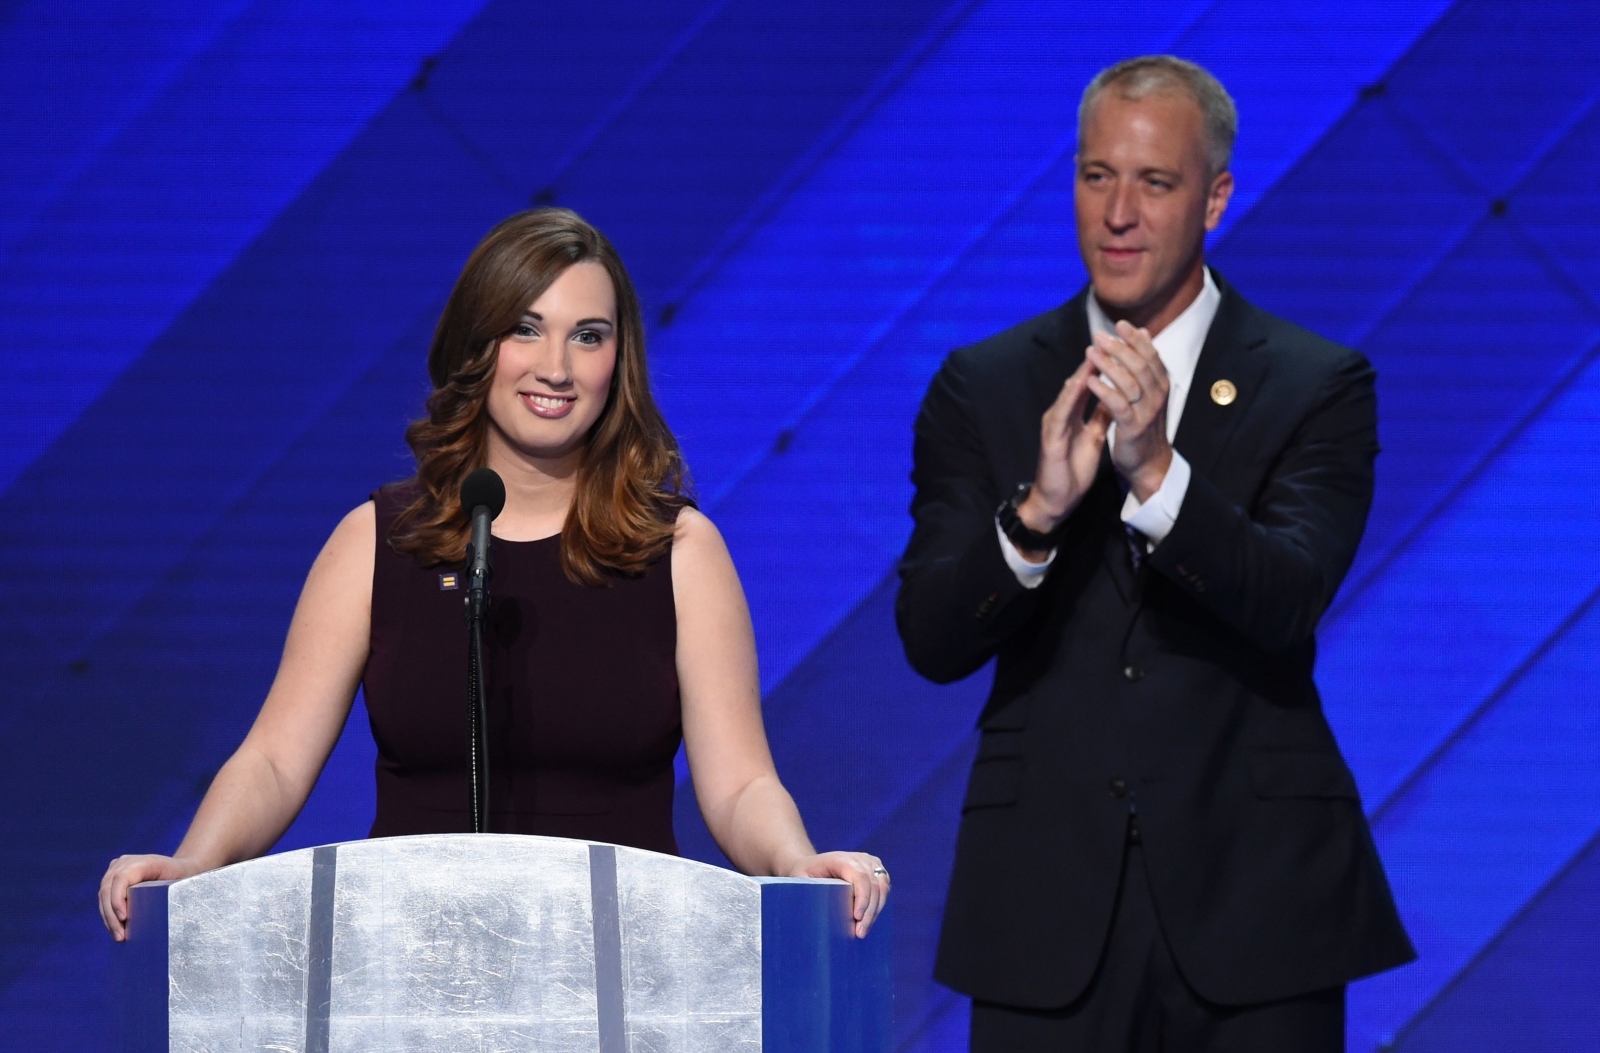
column 478, row 942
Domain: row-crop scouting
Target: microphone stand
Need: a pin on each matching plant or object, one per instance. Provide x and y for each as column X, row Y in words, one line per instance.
column 477, row 605
column 483, row 495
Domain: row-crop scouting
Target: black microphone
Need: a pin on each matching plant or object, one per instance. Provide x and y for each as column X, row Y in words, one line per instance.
column 483, row 495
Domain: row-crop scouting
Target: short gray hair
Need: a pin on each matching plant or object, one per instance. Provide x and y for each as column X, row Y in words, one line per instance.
column 1136, row 78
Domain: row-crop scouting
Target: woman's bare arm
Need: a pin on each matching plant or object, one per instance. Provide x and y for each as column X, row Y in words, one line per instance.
column 746, row 808
column 263, row 786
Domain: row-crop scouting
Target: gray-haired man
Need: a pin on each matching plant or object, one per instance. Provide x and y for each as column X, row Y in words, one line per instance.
column 1141, row 503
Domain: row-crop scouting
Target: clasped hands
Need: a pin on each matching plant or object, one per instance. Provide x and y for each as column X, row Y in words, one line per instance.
column 1125, row 373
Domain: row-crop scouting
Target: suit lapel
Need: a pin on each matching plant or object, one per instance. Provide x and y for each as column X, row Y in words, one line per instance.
column 1228, row 365
column 1062, row 339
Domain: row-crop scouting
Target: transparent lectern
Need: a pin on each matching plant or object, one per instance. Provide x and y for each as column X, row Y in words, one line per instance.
column 478, row 942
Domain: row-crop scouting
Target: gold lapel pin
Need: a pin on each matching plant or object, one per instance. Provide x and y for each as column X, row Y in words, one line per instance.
column 1223, row 393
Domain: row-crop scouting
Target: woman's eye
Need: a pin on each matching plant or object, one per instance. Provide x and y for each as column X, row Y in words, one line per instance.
column 525, row 330
column 587, row 336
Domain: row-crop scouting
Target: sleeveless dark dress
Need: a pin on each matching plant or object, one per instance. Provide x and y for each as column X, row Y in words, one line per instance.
column 583, row 712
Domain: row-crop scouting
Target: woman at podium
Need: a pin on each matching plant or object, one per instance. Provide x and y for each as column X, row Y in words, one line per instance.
column 617, row 626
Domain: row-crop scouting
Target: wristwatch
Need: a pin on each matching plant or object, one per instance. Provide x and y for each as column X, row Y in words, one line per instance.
column 1021, row 534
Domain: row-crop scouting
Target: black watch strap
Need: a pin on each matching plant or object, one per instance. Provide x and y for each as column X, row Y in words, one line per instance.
column 1011, row 524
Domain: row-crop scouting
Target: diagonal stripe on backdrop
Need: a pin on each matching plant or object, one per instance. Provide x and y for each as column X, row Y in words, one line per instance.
column 86, row 76
column 188, row 183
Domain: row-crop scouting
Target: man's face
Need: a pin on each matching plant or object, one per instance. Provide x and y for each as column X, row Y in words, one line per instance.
column 1144, row 199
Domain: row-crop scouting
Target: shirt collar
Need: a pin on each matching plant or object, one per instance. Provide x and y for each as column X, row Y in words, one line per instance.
column 1179, row 344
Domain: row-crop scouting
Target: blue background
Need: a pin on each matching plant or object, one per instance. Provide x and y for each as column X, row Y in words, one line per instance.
column 226, row 230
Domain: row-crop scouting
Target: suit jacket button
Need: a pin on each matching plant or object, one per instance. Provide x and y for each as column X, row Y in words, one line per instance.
column 1119, row 788
column 1133, row 673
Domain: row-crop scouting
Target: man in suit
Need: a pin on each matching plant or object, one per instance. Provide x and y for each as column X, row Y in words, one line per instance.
column 1140, row 504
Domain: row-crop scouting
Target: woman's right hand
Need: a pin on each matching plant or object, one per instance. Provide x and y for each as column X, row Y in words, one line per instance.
column 126, row 871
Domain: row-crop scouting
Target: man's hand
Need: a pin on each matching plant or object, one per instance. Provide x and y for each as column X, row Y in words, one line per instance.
column 1138, row 404
column 1069, row 456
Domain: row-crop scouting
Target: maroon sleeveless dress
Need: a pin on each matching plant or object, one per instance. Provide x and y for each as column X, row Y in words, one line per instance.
column 583, row 712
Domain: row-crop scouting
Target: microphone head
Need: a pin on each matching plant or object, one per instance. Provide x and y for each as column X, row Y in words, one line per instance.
column 483, row 487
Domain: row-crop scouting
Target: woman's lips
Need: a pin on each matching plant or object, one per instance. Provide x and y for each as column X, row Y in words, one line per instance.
column 550, row 407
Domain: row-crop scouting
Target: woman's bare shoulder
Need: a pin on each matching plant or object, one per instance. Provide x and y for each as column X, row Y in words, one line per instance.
column 694, row 527
column 360, row 522
column 697, row 539
column 353, row 542
column 700, row 556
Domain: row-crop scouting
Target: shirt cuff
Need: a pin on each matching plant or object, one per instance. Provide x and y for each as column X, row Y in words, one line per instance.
column 1029, row 574
column 1156, row 517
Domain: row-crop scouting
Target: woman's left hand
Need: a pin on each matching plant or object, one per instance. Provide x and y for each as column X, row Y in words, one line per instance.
column 869, row 881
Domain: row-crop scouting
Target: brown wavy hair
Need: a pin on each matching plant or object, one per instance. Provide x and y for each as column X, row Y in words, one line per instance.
column 631, row 480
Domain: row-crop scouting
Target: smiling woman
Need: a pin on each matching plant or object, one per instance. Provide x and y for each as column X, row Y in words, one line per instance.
column 617, row 628
column 544, row 327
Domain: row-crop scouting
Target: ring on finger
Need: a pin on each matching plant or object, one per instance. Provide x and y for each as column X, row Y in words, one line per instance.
column 1136, row 399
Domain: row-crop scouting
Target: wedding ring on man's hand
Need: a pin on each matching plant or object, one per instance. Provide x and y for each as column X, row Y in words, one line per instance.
column 1135, row 400
column 880, row 870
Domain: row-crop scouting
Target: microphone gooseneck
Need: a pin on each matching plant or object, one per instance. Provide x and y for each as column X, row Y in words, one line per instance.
column 483, row 495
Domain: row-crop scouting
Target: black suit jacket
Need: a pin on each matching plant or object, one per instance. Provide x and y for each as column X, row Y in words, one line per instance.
column 1182, row 689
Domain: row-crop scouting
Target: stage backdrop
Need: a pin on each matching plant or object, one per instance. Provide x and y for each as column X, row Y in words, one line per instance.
column 226, row 230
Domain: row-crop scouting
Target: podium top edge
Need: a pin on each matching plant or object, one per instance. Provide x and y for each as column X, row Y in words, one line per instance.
column 798, row 880
column 478, row 839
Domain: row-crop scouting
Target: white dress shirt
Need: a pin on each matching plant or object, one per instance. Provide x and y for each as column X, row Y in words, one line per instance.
column 1179, row 346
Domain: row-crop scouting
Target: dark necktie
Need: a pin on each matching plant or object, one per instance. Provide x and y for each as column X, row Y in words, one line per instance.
column 1135, row 539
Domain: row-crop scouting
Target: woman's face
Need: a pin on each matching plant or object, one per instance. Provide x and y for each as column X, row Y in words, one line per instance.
column 554, row 370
